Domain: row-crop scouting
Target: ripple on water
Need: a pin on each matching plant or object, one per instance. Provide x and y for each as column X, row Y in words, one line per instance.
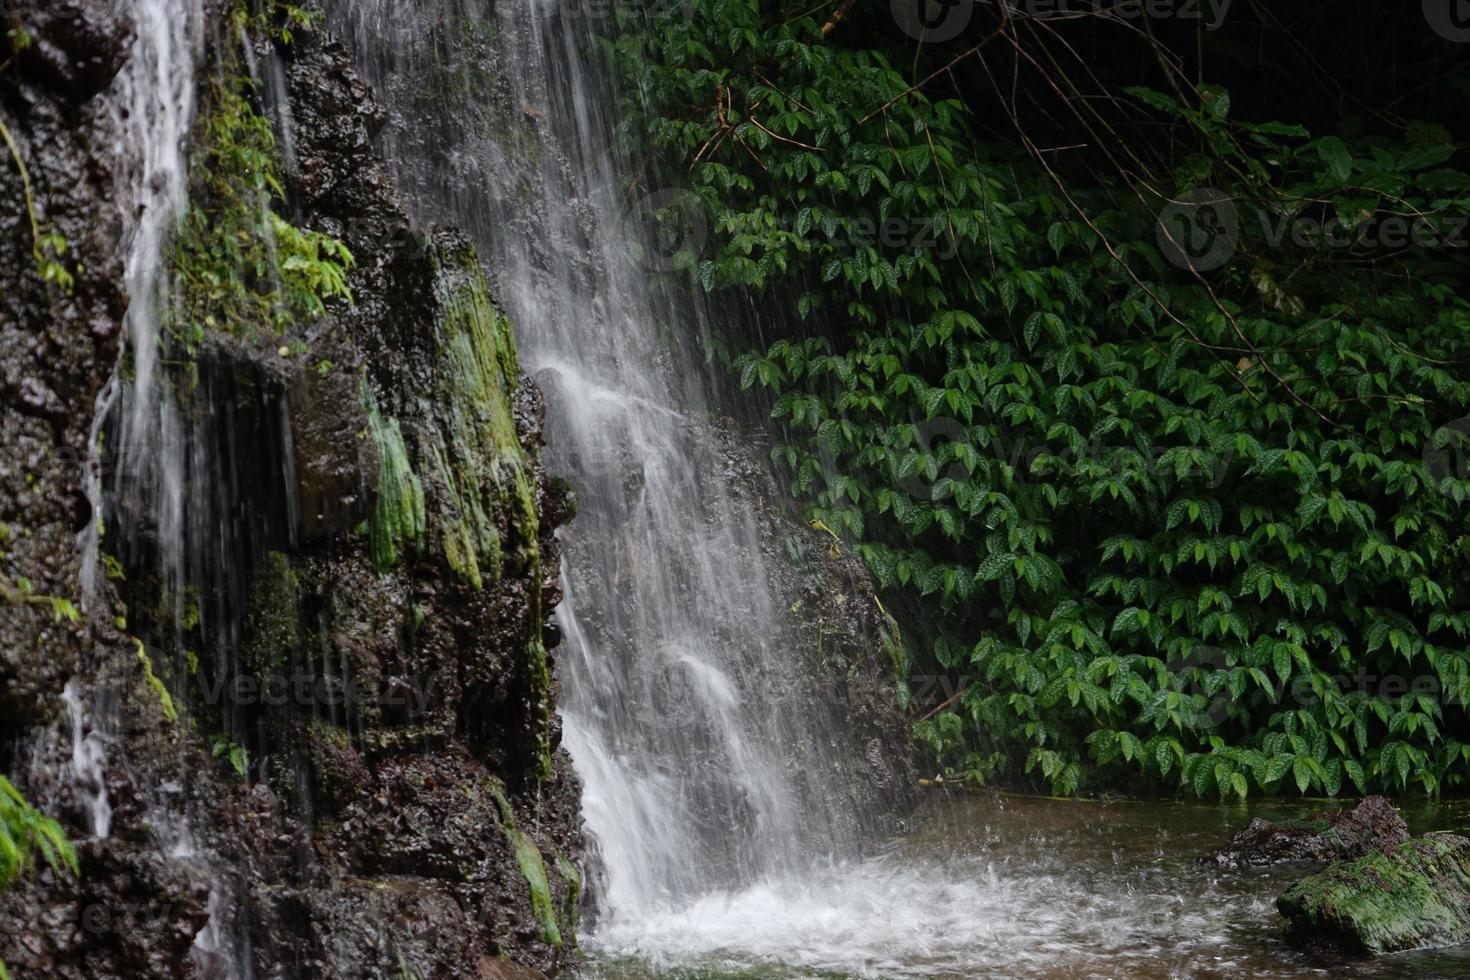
column 1004, row 887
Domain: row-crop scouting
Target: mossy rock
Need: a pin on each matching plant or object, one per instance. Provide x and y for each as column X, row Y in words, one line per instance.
column 1413, row 895
column 338, row 772
column 532, row 867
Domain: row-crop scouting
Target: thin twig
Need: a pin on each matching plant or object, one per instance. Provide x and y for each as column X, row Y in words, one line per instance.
column 1005, row 19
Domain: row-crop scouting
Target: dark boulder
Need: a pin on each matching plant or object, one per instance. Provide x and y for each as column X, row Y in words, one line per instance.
column 1336, row 835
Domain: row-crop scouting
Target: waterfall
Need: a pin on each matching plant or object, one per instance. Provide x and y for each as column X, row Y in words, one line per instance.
column 501, row 121
column 152, row 108
column 88, row 756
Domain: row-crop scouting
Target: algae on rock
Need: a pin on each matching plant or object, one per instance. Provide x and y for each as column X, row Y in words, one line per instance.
column 479, row 454
column 273, row 617
column 398, row 517
column 533, row 869
column 487, row 515
column 1412, row 895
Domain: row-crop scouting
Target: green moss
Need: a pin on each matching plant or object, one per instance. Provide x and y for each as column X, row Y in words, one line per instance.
column 273, row 617
column 533, row 868
column 571, row 910
column 398, row 519
column 488, row 521
column 532, row 865
column 1413, row 894
column 480, row 457
column 165, row 699
column 329, row 747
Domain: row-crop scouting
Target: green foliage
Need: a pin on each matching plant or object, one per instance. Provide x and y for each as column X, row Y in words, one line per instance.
column 24, row 831
column 22, row 592
column 226, row 748
column 244, row 268
column 1169, row 529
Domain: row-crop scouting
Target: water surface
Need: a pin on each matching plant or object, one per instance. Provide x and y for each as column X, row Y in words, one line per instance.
column 1006, row 886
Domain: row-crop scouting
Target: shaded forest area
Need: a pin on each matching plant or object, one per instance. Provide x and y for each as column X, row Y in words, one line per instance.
column 1131, row 355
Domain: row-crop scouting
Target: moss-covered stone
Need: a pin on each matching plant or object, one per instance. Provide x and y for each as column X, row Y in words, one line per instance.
column 338, row 771
column 572, row 906
column 532, row 865
column 360, row 856
column 480, row 456
column 398, row 517
column 1412, row 895
column 486, row 515
column 165, row 700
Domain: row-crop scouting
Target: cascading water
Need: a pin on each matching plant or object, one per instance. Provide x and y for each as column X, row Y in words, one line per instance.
column 151, row 106
column 673, row 670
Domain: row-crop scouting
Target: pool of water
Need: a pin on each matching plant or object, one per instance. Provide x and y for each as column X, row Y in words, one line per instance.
column 1008, row 886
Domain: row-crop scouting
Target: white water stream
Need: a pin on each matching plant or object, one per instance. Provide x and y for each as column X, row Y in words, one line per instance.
column 502, row 122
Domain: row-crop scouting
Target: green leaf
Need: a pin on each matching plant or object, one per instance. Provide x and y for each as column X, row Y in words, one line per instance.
column 1335, row 154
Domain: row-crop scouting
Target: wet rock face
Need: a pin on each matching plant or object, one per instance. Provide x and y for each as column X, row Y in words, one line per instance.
column 1410, row 895
column 77, row 45
column 840, row 639
column 1345, row 834
column 322, row 764
column 56, row 349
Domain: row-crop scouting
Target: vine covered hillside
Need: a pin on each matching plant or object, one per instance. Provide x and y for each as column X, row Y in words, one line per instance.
column 1131, row 355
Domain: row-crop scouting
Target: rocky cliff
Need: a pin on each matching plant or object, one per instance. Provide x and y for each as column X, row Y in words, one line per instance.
column 327, row 738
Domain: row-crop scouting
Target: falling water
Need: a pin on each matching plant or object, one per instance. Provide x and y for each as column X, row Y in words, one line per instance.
column 151, row 105
column 502, row 122
column 87, row 762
